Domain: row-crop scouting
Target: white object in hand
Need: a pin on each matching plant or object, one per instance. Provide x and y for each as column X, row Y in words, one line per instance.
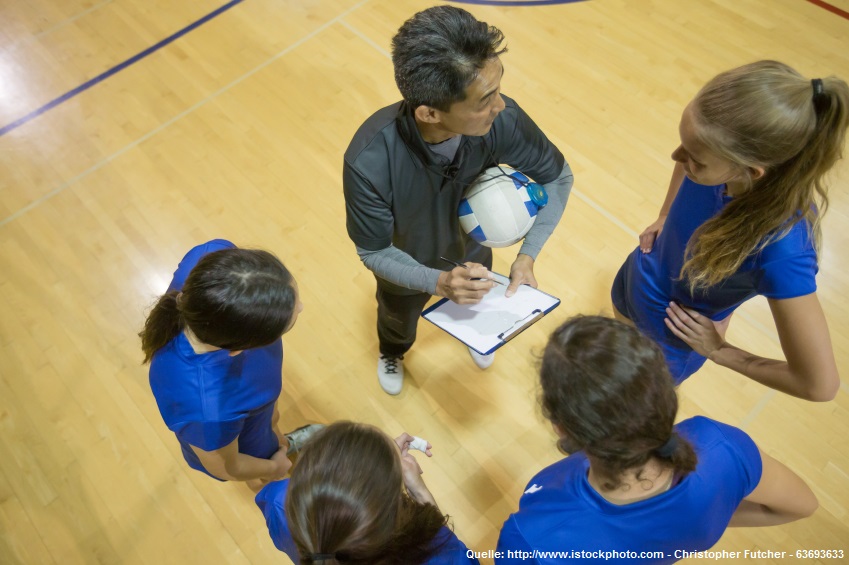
column 419, row 443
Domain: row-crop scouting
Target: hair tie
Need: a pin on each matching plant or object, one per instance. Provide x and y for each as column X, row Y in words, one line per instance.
column 668, row 449
column 179, row 300
column 820, row 99
column 817, row 85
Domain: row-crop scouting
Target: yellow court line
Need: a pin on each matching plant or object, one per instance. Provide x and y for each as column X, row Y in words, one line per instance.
column 366, row 38
column 31, row 39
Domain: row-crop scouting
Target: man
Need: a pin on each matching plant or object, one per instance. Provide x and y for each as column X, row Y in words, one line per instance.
column 408, row 165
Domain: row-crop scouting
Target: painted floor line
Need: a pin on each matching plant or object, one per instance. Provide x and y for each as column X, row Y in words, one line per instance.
column 36, row 36
column 116, row 69
column 184, row 113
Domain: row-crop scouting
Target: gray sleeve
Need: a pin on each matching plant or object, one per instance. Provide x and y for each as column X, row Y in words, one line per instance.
column 395, row 266
column 549, row 215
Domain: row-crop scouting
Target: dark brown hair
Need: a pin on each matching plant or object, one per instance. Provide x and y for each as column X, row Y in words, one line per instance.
column 346, row 500
column 606, row 386
column 234, row 299
column 438, row 52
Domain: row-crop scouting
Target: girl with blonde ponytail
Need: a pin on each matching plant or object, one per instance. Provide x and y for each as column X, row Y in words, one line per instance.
column 634, row 480
column 742, row 218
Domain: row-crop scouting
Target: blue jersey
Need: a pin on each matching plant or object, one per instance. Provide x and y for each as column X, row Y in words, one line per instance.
column 648, row 282
column 210, row 399
column 561, row 512
column 272, row 500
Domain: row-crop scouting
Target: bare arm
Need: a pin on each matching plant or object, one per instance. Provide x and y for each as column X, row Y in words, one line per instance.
column 780, row 497
column 674, row 184
column 810, row 371
column 228, row 464
column 650, row 234
column 275, row 421
column 412, row 472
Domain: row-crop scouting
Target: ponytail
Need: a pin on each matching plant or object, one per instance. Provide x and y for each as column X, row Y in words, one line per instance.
column 412, row 542
column 679, row 453
column 162, row 325
column 418, row 525
column 821, row 153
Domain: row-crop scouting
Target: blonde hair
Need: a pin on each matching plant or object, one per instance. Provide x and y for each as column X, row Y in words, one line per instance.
column 765, row 114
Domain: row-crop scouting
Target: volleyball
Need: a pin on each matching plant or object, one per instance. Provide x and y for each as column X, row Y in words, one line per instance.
column 497, row 209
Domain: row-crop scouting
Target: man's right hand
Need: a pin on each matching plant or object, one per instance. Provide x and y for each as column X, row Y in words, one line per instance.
column 459, row 284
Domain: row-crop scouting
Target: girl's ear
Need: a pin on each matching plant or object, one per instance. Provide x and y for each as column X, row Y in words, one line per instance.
column 757, row 172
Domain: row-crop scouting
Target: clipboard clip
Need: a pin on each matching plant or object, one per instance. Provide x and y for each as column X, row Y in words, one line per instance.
column 520, row 324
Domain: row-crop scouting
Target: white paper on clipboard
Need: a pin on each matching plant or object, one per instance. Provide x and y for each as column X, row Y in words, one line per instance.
column 493, row 321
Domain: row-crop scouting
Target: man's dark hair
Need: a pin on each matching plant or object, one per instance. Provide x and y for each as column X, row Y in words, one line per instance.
column 438, row 52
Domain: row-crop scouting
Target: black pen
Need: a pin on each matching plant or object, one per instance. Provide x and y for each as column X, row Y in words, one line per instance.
column 456, row 264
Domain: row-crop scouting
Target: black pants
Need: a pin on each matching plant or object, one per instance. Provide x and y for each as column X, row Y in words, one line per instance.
column 398, row 315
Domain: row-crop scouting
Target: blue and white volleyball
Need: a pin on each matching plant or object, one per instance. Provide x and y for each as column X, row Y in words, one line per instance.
column 497, row 210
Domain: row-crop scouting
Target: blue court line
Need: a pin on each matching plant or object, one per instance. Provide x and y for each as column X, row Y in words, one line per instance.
column 516, row 2
column 117, row 68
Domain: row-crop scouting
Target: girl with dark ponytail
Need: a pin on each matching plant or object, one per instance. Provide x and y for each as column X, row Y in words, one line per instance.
column 215, row 353
column 742, row 218
column 635, row 481
column 357, row 497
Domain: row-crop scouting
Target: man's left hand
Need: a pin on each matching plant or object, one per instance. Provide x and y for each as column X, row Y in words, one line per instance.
column 521, row 272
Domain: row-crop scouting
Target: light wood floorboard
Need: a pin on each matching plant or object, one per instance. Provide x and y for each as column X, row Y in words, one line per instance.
column 237, row 130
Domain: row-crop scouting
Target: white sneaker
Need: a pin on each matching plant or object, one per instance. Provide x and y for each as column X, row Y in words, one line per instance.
column 390, row 373
column 482, row 361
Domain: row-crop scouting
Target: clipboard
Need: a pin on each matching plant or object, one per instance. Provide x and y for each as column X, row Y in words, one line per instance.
column 495, row 320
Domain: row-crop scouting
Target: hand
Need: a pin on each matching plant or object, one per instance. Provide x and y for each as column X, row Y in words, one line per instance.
column 699, row 332
column 283, row 465
column 411, row 472
column 458, row 284
column 404, row 440
column 521, row 272
column 651, row 233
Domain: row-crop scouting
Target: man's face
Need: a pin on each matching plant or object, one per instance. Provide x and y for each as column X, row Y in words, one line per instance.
column 474, row 115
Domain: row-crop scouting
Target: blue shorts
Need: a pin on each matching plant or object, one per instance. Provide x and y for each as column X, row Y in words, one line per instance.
column 680, row 357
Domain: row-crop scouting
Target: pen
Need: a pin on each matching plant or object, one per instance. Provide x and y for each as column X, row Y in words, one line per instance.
column 456, row 264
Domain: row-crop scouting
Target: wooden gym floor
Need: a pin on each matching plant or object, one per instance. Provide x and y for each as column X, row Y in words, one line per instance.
column 237, row 129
